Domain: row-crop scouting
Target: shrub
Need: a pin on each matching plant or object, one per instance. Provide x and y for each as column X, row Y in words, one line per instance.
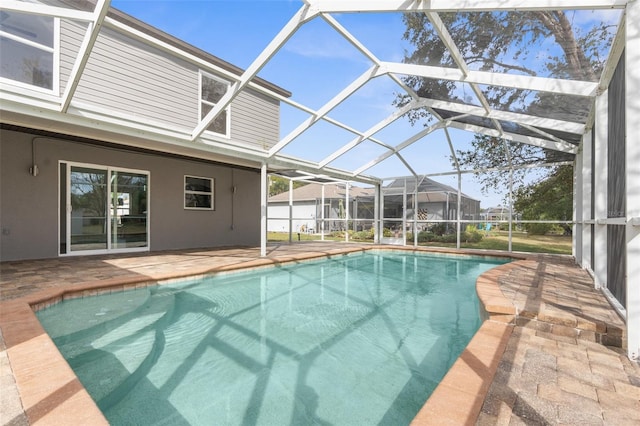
column 471, row 235
column 449, row 238
column 363, row 235
column 425, row 237
column 538, row 228
column 439, row 228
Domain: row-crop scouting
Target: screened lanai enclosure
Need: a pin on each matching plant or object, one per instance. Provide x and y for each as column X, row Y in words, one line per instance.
column 463, row 95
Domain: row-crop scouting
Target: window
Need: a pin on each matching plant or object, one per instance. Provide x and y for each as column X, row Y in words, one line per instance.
column 212, row 89
column 198, row 193
column 28, row 44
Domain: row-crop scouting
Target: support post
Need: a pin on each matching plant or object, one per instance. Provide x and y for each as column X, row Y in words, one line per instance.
column 587, row 208
column 264, row 191
column 458, row 215
column 600, row 189
column 377, row 228
column 290, row 211
column 415, row 214
column 322, row 215
column 576, row 236
column 404, row 213
column 346, row 214
column 632, row 123
column 510, row 209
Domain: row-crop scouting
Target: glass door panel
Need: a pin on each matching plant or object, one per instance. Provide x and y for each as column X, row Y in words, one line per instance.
column 88, row 213
column 128, row 210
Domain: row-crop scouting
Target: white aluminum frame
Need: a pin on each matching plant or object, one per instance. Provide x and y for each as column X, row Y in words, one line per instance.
column 109, row 170
column 29, row 106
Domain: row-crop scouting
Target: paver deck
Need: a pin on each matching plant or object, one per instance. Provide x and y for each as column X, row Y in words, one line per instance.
column 549, row 353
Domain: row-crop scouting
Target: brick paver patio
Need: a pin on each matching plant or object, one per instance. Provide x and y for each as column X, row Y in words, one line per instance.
column 549, row 353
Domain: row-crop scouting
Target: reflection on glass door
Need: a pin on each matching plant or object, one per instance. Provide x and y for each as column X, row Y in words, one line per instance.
column 106, row 209
column 128, row 210
column 88, row 190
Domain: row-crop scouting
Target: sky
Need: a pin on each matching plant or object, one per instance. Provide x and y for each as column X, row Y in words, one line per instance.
column 315, row 64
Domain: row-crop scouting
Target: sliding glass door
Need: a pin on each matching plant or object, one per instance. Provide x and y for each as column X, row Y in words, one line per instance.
column 128, row 210
column 105, row 209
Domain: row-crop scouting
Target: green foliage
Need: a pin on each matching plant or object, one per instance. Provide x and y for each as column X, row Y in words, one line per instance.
column 470, row 235
column 550, row 198
column 278, row 185
column 363, row 235
column 439, row 229
column 502, row 41
column 537, row 228
column 490, row 153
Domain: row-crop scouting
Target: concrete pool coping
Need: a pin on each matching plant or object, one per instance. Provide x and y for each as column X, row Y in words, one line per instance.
column 50, row 393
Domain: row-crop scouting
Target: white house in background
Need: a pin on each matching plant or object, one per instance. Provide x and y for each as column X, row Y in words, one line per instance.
column 307, row 207
column 436, row 201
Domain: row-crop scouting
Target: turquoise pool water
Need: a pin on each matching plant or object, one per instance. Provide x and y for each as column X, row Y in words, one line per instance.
column 351, row 340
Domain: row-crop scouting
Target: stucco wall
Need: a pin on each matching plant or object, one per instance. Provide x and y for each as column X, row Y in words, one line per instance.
column 29, row 205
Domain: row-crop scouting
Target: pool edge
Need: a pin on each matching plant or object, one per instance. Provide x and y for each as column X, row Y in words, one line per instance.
column 458, row 398
column 33, row 355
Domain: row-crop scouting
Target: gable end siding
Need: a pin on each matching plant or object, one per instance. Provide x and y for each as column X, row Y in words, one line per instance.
column 129, row 77
column 145, row 83
column 255, row 119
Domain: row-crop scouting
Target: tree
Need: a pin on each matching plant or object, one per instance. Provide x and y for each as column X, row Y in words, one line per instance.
column 503, row 42
column 548, row 199
column 278, row 185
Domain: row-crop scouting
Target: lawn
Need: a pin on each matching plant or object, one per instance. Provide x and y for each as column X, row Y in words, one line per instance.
column 520, row 241
column 495, row 240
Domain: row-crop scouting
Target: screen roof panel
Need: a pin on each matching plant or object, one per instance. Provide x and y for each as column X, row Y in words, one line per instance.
column 479, row 66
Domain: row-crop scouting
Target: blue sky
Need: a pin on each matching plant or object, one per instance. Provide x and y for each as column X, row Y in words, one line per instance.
column 315, row 65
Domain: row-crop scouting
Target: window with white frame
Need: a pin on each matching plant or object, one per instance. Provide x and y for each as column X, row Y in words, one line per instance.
column 28, row 44
column 212, row 89
column 198, row 193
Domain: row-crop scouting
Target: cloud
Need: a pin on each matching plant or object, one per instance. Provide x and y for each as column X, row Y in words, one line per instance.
column 322, row 43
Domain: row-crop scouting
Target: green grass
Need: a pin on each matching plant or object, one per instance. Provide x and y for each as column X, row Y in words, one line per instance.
column 520, row 241
column 495, row 240
column 555, row 244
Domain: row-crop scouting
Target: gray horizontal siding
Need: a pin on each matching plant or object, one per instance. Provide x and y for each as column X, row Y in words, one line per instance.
column 132, row 78
column 255, row 119
column 71, row 35
column 127, row 76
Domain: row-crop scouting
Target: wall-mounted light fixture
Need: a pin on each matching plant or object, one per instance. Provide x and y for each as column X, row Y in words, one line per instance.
column 33, row 170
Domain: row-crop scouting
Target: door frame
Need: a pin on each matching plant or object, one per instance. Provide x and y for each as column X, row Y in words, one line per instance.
column 67, row 208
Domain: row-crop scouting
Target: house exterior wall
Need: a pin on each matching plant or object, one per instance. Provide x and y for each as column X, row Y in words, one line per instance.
column 142, row 83
column 303, row 212
column 29, row 204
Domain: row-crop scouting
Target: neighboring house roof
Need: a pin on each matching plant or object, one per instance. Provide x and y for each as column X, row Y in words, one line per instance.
column 429, row 189
column 313, row 191
column 497, row 210
column 425, row 185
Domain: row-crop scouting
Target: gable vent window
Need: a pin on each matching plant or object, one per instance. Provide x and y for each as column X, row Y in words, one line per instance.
column 212, row 89
column 28, row 44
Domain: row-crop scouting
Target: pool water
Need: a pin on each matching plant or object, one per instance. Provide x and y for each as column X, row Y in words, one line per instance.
column 351, row 340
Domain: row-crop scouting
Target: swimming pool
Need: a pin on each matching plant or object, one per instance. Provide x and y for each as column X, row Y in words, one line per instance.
column 356, row 339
